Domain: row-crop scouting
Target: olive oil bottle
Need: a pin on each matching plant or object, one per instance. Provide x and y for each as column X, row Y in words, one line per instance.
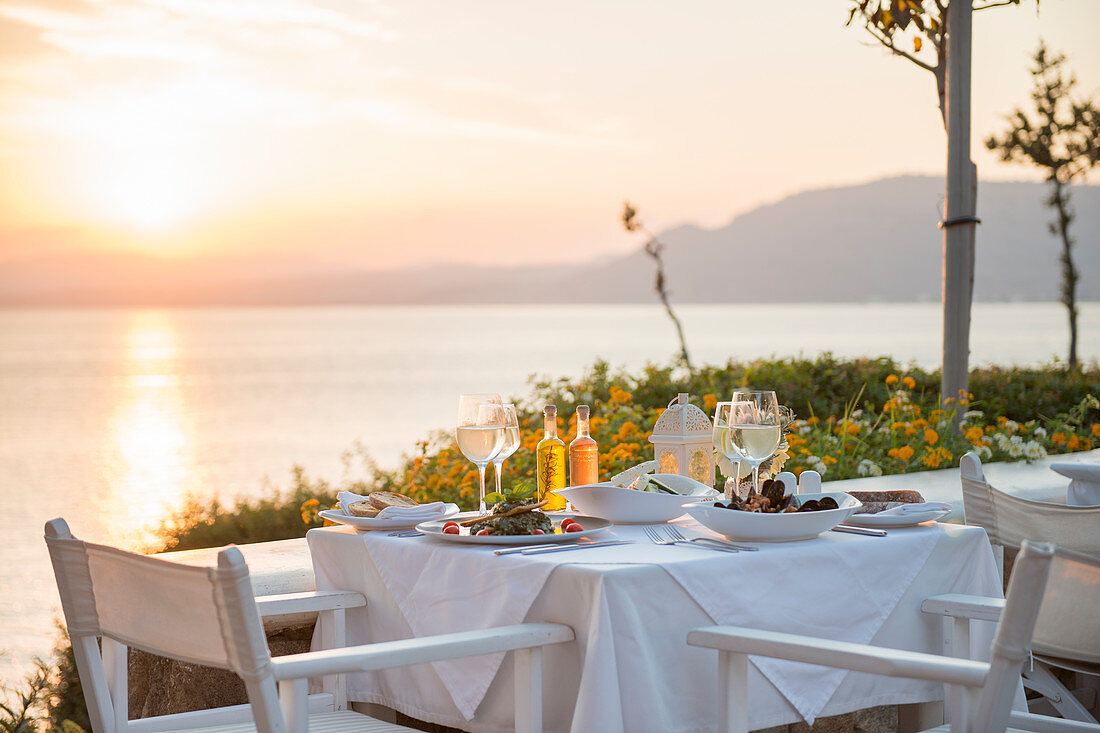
column 584, row 453
column 551, row 461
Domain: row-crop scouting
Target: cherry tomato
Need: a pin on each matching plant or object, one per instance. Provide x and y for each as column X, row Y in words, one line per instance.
column 574, row 527
column 451, row 528
column 566, row 522
column 482, row 532
column 450, row 524
column 537, row 531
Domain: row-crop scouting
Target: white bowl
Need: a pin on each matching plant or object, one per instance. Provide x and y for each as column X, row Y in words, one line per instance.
column 630, row 506
column 761, row 527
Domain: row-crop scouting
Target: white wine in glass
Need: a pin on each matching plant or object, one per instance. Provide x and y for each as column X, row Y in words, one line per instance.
column 755, row 428
column 720, row 439
column 511, row 439
column 480, row 433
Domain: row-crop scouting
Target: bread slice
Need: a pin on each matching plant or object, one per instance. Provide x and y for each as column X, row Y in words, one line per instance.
column 878, row 501
column 383, row 499
column 363, row 509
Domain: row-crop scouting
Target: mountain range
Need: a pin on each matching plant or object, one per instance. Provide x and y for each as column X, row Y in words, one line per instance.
column 864, row 243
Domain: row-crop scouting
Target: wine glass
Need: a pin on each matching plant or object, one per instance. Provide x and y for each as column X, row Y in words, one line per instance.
column 720, row 439
column 511, row 437
column 480, row 434
column 755, row 428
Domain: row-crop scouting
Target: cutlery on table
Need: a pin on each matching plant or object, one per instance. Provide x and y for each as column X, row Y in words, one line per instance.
column 407, row 533
column 859, row 530
column 544, row 549
column 656, row 538
column 676, row 534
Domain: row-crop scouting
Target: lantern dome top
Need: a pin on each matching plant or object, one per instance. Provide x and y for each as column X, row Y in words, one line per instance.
column 681, row 420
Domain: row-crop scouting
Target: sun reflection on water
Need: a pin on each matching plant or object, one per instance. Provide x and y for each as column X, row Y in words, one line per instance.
column 152, row 446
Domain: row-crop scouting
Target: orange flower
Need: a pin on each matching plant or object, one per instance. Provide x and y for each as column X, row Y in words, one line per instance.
column 974, row 434
column 1058, row 439
column 1073, row 443
column 903, row 453
column 852, row 428
column 931, row 436
column 909, row 382
column 892, row 379
column 620, row 395
column 813, row 420
column 710, row 402
column 626, row 430
column 934, row 457
column 1096, row 430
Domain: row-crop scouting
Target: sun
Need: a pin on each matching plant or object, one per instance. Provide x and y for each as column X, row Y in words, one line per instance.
column 151, row 191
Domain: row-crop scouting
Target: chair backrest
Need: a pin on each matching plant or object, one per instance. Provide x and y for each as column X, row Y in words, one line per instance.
column 1043, row 577
column 202, row 615
column 1069, row 617
column 1009, row 520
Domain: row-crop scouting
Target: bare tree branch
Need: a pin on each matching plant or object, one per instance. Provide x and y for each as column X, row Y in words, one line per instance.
column 888, row 42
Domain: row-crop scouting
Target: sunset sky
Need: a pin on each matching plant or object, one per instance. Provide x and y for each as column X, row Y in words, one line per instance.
column 390, row 133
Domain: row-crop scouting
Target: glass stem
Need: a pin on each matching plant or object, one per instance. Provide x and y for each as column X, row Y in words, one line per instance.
column 755, row 478
column 499, row 466
column 481, row 485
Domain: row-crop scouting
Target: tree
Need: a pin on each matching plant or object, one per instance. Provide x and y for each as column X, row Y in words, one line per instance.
column 1064, row 139
column 654, row 248
column 896, row 24
column 902, row 27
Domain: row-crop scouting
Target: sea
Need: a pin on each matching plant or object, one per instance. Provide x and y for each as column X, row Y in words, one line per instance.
column 111, row 418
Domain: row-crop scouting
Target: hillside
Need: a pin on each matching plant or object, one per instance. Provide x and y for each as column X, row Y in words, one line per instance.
column 872, row 242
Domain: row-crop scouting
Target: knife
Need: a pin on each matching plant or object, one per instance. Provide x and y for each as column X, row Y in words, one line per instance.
column 566, row 548
column 720, row 543
column 859, row 530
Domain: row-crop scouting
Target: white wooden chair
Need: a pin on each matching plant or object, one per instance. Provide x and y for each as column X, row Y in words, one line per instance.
column 981, row 694
column 209, row 616
column 1009, row 520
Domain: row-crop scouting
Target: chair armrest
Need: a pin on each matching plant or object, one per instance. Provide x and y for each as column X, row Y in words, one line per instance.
column 841, row 654
column 309, row 601
column 385, row 654
column 958, row 605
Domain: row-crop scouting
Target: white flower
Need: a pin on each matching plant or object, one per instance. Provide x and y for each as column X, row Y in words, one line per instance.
column 1016, row 440
column 971, row 414
column 856, row 414
column 804, row 429
column 983, row 452
column 1033, row 451
column 867, row 467
column 1011, row 426
column 1040, row 432
column 820, row 467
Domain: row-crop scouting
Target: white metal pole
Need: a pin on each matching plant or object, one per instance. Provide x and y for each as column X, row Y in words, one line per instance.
column 959, row 220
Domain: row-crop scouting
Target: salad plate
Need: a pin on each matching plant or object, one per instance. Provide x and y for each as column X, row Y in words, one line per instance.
column 589, row 527
column 366, row 524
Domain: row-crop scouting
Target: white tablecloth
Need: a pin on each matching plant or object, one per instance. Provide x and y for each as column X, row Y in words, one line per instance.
column 632, row 605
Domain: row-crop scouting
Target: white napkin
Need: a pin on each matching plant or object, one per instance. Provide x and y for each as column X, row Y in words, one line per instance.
column 419, row 513
column 1084, row 487
column 914, row 508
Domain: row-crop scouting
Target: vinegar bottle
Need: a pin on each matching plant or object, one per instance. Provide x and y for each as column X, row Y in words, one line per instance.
column 583, row 453
column 551, row 461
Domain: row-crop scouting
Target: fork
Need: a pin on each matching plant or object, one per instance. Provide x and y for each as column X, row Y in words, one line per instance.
column 676, row 534
column 656, row 538
column 406, row 533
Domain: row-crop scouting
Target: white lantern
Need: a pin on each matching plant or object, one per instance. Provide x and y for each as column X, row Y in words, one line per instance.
column 681, row 441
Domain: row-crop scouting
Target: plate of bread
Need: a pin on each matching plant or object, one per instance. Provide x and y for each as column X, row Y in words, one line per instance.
column 893, row 509
column 385, row 510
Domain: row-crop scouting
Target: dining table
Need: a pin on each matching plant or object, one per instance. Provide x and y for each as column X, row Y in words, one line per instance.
column 631, row 606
